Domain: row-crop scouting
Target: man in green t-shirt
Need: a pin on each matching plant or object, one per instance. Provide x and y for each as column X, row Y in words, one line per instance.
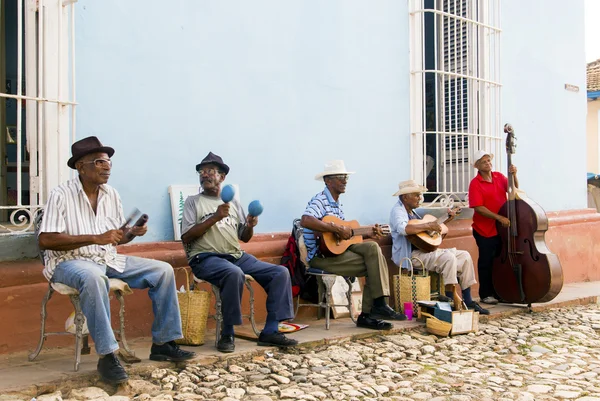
column 211, row 230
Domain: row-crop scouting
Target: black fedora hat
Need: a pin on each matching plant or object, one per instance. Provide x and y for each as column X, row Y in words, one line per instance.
column 214, row 159
column 85, row 146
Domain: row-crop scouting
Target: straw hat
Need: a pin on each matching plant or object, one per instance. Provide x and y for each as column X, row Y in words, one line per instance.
column 479, row 154
column 333, row 167
column 409, row 187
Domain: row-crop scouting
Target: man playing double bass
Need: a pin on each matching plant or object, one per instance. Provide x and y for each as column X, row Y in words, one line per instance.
column 487, row 194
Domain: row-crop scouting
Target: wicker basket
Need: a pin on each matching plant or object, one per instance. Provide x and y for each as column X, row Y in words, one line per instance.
column 437, row 326
column 193, row 306
column 409, row 287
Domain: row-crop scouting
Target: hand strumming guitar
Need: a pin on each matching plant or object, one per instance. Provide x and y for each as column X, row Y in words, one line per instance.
column 343, row 232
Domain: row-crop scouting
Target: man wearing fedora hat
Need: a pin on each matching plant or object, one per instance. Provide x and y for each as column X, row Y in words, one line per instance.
column 81, row 228
column 359, row 260
column 211, row 230
column 455, row 266
column 487, row 194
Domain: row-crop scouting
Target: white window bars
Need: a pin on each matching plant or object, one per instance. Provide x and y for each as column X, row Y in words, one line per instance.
column 37, row 105
column 454, row 93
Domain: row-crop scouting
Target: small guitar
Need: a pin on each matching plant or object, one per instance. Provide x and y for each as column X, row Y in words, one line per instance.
column 330, row 244
column 429, row 241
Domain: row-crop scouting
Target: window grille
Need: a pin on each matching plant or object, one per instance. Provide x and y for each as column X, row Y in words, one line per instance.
column 455, row 93
column 37, row 117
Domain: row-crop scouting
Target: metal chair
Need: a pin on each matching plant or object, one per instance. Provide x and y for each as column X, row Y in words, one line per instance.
column 325, row 282
column 218, row 316
column 82, row 347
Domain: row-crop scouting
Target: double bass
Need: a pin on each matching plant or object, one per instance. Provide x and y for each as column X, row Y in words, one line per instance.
column 525, row 271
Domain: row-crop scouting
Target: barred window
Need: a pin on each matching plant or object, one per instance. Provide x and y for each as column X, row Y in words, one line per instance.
column 37, row 105
column 455, row 92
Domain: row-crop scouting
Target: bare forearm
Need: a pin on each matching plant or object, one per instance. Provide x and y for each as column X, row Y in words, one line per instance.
column 247, row 233
column 315, row 224
column 65, row 242
column 417, row 228
column 199, row 229
column 485, row 212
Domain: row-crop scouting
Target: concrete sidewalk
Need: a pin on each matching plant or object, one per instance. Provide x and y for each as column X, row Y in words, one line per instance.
column 54, row 366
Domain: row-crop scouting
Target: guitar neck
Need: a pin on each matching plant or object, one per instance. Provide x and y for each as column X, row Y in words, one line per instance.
column 363, row 230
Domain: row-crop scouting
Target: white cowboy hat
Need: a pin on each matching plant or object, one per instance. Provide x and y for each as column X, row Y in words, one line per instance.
column 409, row 187
column 479, row 154
column 333, row 167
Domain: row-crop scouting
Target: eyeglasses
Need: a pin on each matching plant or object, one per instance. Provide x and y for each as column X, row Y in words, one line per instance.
column 100, row 162
column 208, row 171
column 341, row 177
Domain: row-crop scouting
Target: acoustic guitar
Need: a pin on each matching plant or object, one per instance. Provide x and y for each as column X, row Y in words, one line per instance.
column 331, row 244
column 429, row 241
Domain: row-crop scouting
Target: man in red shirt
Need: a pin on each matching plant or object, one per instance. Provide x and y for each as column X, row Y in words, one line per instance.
column 487, row 194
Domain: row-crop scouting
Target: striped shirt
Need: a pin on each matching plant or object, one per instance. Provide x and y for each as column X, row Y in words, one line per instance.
column 69, row 211
column 321, row 205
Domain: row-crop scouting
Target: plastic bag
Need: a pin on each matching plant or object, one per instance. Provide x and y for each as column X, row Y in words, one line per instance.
column 70, row 324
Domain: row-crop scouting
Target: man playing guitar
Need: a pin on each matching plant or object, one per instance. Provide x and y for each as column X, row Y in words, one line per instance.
column 450, row 263
column 359, row 260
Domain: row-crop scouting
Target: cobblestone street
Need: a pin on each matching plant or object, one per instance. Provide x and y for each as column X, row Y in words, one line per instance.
column 553, row 355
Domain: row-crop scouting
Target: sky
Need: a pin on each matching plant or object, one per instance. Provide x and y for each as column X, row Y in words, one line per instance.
column 592, row 30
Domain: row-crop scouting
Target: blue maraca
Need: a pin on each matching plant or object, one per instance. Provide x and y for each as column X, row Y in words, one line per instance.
column 255, row 208
column 227, row 193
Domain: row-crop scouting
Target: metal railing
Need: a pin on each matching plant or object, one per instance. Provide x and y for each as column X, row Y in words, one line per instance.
column 45, row 53
column 455, row 93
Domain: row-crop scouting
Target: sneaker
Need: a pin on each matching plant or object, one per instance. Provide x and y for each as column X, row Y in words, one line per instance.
column 386, row 312
column 489, row 300
column 170, row 352
column 226, row 343
column 475, row 306
column 276, row 340
column 110, row 369
column 369, row 322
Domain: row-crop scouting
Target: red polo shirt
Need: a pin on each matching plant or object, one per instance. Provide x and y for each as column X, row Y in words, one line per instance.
column 492, row 195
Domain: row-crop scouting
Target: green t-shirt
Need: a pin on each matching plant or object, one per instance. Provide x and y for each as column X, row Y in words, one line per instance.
column 223, row 237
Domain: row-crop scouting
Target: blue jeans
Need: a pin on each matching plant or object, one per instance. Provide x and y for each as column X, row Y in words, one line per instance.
column 228, row 274
column 91, row 280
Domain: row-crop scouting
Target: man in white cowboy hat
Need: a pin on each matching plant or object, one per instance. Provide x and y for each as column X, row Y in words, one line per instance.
column 455, row 266
column 82, row 225
column 359, row 260
column 487, row 194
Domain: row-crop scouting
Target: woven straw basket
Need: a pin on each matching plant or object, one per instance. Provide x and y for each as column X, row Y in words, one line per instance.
column 193, row 306
column 437, row 326
column 409, row 287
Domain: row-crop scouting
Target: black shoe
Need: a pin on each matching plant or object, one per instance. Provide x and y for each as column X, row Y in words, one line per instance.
column 475, row 306
column 368, row 322
column 170, row 352
column 226, row 343
column 110, row 369
column 443, row 298
column 276, row 340
column 386, row 312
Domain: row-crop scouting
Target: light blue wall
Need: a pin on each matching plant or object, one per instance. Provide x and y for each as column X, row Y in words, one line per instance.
column 543, row 49
column 277, row 88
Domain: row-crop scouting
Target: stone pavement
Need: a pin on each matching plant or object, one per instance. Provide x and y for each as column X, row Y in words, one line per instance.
column 547, row 355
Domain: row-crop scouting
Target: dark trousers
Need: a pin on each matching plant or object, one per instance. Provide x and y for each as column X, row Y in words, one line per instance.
column 488, row 250
column 228, row 274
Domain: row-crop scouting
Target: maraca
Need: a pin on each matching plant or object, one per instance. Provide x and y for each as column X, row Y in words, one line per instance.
column 255, row 208
column 227, row 193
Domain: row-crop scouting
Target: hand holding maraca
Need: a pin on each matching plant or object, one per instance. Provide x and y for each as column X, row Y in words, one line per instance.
column 255, row 208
